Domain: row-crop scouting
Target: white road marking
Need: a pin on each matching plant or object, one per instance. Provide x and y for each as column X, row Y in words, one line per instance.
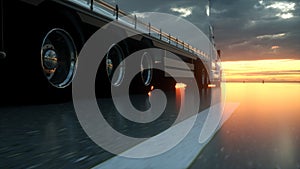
column 179, row 157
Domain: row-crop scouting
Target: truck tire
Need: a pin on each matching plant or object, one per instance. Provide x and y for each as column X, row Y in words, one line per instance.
column 41, row 43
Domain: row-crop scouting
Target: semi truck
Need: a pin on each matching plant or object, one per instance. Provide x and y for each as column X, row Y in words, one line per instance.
column 41, row 41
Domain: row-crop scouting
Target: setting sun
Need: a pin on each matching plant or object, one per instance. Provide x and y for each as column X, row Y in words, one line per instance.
column 258, row 70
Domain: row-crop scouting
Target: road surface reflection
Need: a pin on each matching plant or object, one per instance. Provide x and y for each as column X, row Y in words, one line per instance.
column 50, row 136
column 264, row 132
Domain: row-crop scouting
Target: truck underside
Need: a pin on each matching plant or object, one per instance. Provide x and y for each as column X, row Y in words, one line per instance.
column 42, row 40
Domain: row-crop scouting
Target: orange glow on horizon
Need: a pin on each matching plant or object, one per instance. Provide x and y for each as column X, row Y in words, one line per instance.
column 258, row 70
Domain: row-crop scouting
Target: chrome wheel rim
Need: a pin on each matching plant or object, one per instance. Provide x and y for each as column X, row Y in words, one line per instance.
column 146, row 68
column 58, row 58
column 115, row 58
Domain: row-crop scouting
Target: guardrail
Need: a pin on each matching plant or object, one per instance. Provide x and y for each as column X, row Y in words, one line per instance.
column 163, row 36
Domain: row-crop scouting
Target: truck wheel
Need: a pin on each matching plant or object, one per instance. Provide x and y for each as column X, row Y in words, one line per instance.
column 58, row 58
column 141, row 83
column 146, row 69
column 108, row 68
column 113, row 59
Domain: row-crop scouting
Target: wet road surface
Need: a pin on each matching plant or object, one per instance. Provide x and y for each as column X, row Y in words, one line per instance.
column 263, row 132
column 50, row 136
column 45, row 136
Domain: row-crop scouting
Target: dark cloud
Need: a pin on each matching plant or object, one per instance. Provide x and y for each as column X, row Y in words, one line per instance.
column 237, row 24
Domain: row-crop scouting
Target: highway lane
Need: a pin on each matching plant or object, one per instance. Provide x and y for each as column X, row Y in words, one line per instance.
column 263, row 132
column 50, row 136
column 45, row 136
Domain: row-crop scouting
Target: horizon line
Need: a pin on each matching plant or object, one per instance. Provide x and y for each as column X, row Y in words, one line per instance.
column 261, row 81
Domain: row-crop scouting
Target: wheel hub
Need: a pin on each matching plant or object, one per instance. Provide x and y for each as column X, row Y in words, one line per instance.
column 58, row 57
column 115, row 58
column 50, row 61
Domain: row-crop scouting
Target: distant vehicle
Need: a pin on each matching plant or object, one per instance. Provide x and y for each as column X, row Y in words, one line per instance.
column 41, row 39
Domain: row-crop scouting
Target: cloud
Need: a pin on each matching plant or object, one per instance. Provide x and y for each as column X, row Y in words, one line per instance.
column 244, row 30
column 139, row 15
column 256, row 23
column 184, row 12
column 275, row 47
column 282, row 6
column 215, row 11
column 285, row 15
column 274, row 36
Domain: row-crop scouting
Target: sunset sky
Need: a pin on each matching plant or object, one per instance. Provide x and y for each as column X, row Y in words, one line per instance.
column 259, row 39
column 258, row 70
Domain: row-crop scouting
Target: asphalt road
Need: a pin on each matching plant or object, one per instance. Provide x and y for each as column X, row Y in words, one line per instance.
column 262, row 132
column 50, row 136
column 45, row 136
